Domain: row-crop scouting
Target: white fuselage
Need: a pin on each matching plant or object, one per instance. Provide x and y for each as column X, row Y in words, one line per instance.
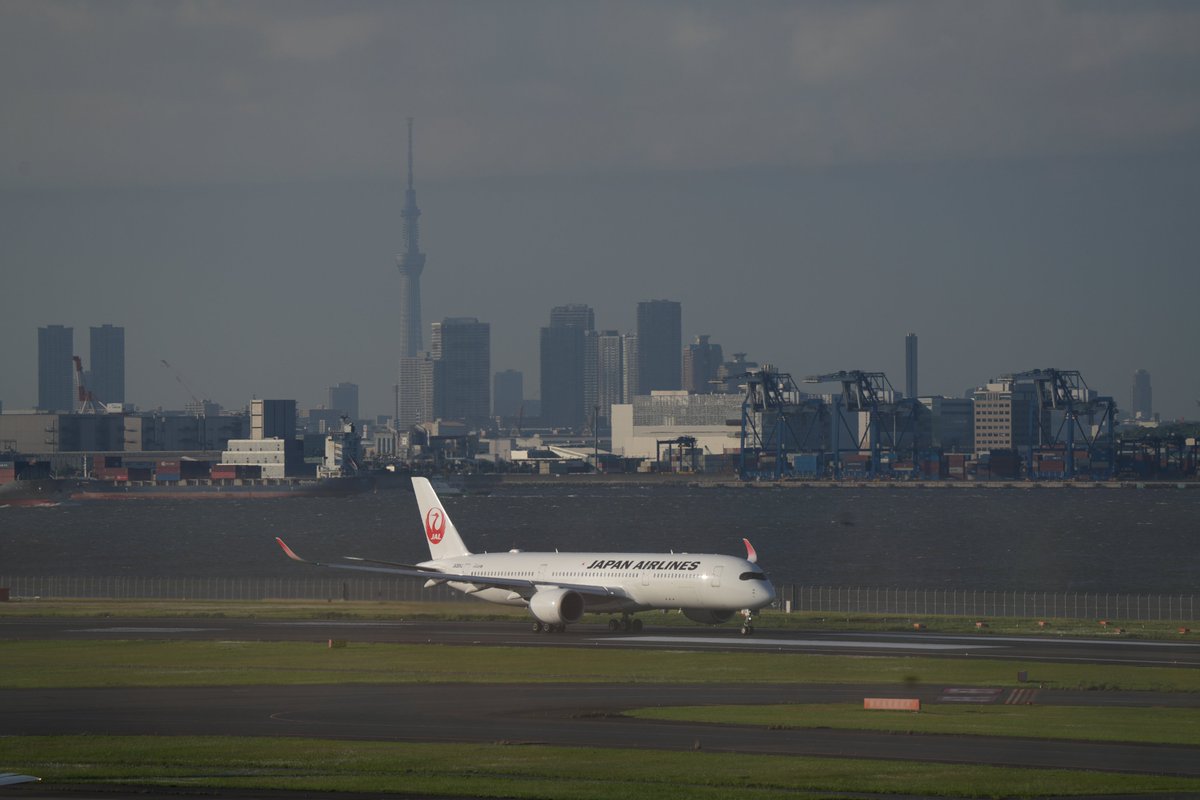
column 641, row 581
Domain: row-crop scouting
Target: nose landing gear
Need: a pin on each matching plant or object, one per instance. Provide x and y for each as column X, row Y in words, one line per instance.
column 747, row 622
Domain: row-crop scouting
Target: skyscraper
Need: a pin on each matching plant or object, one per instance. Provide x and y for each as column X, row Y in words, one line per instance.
column 415, row 390
column 462, row 346
column 107, row 357
column 565, row 364
column 411, row 263
column 610, row 372
column 910, row 365
column 344, row 398
column 660, row 345
column 508, row 393
column 700, row 363
column 1141, row 400
column 56, row 345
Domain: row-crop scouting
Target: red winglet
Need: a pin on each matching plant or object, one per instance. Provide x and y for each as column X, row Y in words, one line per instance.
column 751, row 554
column 290, row 553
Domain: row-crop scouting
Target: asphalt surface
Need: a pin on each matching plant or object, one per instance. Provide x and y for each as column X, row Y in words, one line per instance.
column 588, row 714
column 1110, row 650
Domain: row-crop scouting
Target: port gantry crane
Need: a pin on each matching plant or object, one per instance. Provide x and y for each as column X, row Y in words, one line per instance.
column 869, row 392
column 1064, row 390
column 771, row 403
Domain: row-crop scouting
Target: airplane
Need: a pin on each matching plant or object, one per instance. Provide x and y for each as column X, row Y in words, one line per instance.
column 558, row 588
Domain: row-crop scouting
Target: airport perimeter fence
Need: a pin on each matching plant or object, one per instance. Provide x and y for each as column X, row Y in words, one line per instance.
column 797, row 597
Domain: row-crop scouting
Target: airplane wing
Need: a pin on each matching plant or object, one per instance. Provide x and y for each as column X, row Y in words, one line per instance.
column 523, row 586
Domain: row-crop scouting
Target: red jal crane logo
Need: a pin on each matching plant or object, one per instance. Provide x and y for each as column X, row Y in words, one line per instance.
column 435, row 525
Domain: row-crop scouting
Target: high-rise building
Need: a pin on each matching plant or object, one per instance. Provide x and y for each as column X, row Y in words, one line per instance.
column 508, row 393
column 56, row 346
column 1002, row 416
column 273, row 419
column 660, row 345
column 462, row 388
column 610, row 372
column 701, row 360
column 730, row 373
column 568, row 366
column 629, row 376
column 579, row 315
column 415, row 390
column 344, row 398
column 107, row 357
column 910, row 365
column 1141, row 399
column 411, row 263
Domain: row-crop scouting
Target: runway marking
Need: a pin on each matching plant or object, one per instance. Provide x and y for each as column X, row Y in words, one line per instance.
column 1039, row 640
column 145, row 630
column 1020, row 697
column 970, row 694
column 729, row 642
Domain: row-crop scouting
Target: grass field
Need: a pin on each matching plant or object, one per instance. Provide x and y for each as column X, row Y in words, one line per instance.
column 1147, row 725
column 505, row 770
column 496, row 770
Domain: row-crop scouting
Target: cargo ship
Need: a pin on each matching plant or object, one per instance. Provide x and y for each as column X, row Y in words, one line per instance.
column 36, row 492
column 220, row 488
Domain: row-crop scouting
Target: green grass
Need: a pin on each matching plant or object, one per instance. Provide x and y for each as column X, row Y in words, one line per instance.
column 478, row 610
column 496, row 770
column 1148, row 725
column 51, row 664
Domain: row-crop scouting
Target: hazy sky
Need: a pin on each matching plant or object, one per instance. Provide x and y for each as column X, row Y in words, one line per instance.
column 1018, row 183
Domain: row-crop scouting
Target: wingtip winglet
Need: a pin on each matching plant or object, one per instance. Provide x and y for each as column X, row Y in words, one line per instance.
column 751, row 553
column 288, row 551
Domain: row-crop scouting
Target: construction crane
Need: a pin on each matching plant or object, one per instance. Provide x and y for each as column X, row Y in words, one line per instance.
column 200, row 404
column 86, row 402
column 1065, row 391
column 872, row 393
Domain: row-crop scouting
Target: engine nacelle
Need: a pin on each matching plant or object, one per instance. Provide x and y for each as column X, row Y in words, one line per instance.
column 707, row 616
column 556, row 606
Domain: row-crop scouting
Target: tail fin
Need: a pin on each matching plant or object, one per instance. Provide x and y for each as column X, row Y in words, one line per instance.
column 443, row 538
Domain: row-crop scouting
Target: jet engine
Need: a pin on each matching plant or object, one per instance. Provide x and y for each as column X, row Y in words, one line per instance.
column 707, row 616
column 556, row 606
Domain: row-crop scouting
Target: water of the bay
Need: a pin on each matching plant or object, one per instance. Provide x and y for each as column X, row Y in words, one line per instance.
column 1042, row 539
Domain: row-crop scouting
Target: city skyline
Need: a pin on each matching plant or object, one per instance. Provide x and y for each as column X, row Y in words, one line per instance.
column 238, row 213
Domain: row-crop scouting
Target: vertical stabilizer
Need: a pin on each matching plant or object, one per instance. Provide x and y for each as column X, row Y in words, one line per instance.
column 440, row 533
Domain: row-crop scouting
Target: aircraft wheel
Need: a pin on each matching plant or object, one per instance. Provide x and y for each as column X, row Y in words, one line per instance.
column 747, row 630
column 636, row 626
column 538, row 627
column 614, row 625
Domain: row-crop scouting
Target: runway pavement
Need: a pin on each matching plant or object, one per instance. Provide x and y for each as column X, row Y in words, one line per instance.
column 1109, row 650
column 586, row 714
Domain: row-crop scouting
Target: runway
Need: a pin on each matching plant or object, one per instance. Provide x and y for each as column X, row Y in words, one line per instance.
column 586, row 714
column 1109, row 650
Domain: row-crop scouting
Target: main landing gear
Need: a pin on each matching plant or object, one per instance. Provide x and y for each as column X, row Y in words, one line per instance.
column 539, row 627
column 625, row 623
column 747, row 622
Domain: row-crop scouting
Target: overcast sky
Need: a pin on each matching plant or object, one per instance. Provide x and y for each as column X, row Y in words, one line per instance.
column 1017, row 183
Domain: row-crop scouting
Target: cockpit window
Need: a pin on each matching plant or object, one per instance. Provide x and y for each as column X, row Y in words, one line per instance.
column 752, row 576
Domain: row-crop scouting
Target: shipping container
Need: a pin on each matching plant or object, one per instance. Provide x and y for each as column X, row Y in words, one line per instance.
column 194, row 469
